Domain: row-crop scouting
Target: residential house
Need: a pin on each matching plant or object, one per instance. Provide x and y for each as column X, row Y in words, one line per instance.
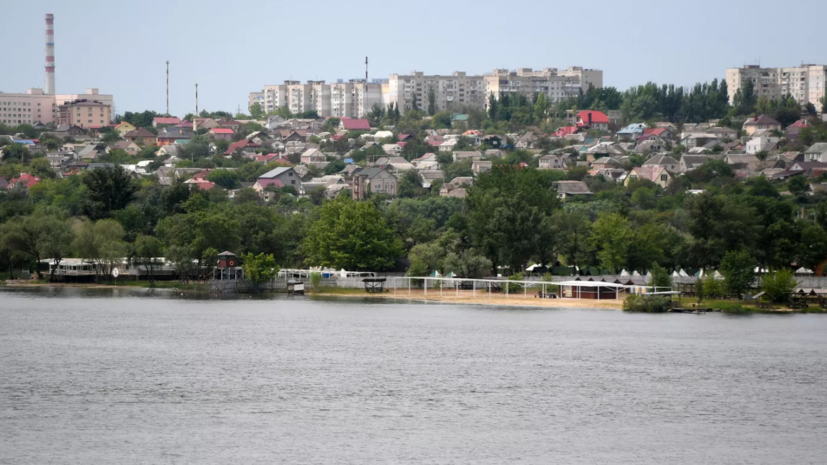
column 526, row 141
column 792, row 132
column 723, row 133
column 656, row 174
column 567, row 189
column 89, row 152
column 459, row 120
column 121, row 128
column 426, row 162
column 240, row 146
column 278, row 178
column 811, row 169
column 392, row 149
column 665, row 161
column 551, row 162
column 229, row 124
column 761, row 144
column 631, row 132
column 430, row 176
column 565, row 131
column 314, row 157
column 457, row 187
column 141, row 136
column 697, row 139
column 24, row 181
column 605, row 163
column 448, row 145
column 590, row 119
column 492, row 140
column 691, row 162
column 204, row 123
column 480, row 166
column 127, row 146
column 760, row 122
column 742, row 161
column 164, row 121
column 373, row 181
column 171, row 135
column 652, row 144
column 816, row 152
column 167, row 151
column 662, row 132
column 462, row 156
column 354, row 124
column 221, row 133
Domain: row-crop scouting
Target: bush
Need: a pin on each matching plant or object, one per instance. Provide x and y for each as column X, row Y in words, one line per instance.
column 779, row 285
column 713, row 288
column 514, row 288
column 646, row 304
column 315, row 280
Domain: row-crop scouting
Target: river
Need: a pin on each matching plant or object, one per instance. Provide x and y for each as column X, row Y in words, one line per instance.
column 123, row 376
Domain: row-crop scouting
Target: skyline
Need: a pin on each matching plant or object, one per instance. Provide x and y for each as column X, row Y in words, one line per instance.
column 201, row 48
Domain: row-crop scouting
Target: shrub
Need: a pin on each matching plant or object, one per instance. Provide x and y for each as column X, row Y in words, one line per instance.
column 514, row 288
column 779, row 285
column 646, row 304
column 712, row 287
column 315, row 280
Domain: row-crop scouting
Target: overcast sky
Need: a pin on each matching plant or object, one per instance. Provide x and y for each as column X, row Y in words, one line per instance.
column 233, row 47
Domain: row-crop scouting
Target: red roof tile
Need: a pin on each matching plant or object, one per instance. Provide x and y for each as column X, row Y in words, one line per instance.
column 598, row 117
column 26, row 179
column 166, row 120
column 222, row 131
column 355, row 124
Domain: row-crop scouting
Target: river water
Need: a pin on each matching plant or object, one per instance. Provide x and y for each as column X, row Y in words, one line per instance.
column 115, row 376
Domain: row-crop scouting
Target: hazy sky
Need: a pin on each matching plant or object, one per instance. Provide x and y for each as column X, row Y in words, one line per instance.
column 233, row 47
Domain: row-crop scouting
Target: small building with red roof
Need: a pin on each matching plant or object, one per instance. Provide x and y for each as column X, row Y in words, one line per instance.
column 221, row 133
column 24, row 180
column 565, row 131
column 354, row 124
column 591, row 119
column 241, row 145
column 162, row 121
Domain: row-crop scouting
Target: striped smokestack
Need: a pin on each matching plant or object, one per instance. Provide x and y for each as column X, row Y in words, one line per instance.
column 50, row 54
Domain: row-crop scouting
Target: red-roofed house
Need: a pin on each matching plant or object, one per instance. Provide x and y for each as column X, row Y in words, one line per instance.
column 663, row 133
column 24, row 180
column 161, row 121
column 221, row 133
column 234, row 125
column 201, row 183
column 184, row 124
column 404, row 137
column 565, row 131
column 354, row 124
column 591, row 119
column 240, row 145
column 273, row 157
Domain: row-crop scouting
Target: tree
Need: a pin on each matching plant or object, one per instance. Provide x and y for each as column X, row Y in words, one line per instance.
column 738, row 269
column 183, row 259
column 259, row 269
column 779, row 285
column 542, row 107
column 414, row 103
column 15, row 152
column 493, row 107
column 256, row 112
column 431, row 101
column 425, row 259
column 612, row 237
column 797, row 185
column 351, row 235
column 227, row 179
column 38, row 236
column 467, row 264
column 573, row 232
column 101, row 243
column 109, row 189
column 410, row 185
column 660, row 277
column 149, row 251
column 334, row 166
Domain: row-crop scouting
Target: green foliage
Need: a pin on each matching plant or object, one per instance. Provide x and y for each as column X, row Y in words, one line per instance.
column 467, row 264
column 613, row 238
column 353, row 236
column 38, row 236
column 647, row 304
column 15, row 152
column 256, row 112
column 660, row 277
column 149, row 252
column 315, row 280
column 101, row 243
column 109, row 189
column 259, row 268
column 227, row 179
column 738, row 269
column 779, row 285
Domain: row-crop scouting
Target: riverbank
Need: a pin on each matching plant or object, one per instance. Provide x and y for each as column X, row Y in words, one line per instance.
column 115, row 285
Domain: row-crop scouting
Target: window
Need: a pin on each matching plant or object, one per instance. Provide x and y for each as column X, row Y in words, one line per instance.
column 292, row 181
column 663, row 177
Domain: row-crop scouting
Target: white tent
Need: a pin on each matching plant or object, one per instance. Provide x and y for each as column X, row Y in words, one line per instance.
column 683, row 274
column 635, row 274
column 624, row 274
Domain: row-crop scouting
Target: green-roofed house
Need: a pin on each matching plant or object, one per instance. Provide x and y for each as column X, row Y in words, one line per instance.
column 459, row 120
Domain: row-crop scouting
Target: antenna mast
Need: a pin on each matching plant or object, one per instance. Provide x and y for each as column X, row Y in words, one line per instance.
column 167, row 87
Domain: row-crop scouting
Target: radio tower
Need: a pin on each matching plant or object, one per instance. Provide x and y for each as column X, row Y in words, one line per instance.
column 50, row 54
column 167, row 87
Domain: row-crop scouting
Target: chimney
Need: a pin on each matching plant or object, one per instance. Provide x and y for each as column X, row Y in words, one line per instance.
column 50, row 54
column 590, row 118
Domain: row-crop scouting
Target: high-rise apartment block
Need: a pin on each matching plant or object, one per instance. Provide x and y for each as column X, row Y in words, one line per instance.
column 356, row 97
column 805, row 83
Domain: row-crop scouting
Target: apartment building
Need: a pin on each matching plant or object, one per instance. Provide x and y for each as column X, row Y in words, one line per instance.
column 806, row 83
column 256, row 97
column 355, row 98
column 85, row 114
column 451, row 91
column 557, row 85
column 36, row 106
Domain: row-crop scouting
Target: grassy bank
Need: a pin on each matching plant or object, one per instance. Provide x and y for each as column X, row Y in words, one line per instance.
column 736, row 307
column 114, row 284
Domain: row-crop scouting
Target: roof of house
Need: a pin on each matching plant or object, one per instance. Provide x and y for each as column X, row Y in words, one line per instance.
column 818, row 148
column 243, row 143
column 802, row 123
column 662, row 160
column 371, row 172
column 26, row 179
column 175, row 133
column 275, row 172
column 601, row 161
column 761, row 120
column 166, row 120
column 648, row 172
column 565, row 131
column 121, row 144
column 140, row 132
column 462, row 154
column 572, row 187
column 222, row 131
column 597, row 117
column 355, row 124
column 655, row 131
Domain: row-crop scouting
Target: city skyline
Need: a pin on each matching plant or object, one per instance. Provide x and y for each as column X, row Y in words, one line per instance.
column 227, row 63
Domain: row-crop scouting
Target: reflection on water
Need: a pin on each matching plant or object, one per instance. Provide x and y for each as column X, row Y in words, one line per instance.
column 133, row 376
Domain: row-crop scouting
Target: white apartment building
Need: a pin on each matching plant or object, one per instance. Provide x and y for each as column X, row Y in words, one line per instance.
column 354, row 99
column 452, row 91
column 256, row 97
column 806, row 83
column 557, row 85
column 36, row 106
column 318, row 97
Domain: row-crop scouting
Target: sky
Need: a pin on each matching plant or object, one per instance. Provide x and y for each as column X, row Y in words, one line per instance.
column 231, row 48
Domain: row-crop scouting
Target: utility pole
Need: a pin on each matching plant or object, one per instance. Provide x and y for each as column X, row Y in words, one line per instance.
column 196, row 100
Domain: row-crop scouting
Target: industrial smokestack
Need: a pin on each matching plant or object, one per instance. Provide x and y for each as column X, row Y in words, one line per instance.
column 50, row 54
